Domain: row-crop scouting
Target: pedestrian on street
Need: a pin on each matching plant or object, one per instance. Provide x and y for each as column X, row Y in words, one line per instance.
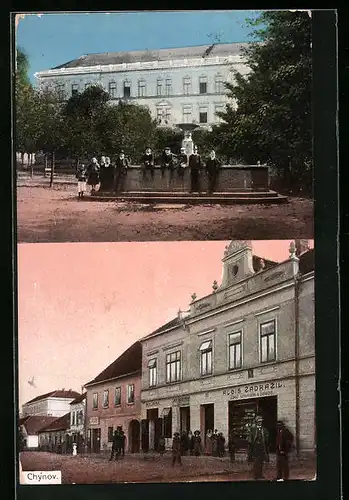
column 259, row 448
column 93, row 175
column 81, row 175
column 190, row 442
column 197, row 448
column 167, row 161
column 182, row 164
column 232, row 446
column 195, row 167
column 284, row 442
column 161, row 445
column 208, row 443
column 215, row 443
column 123, row 442
column 116, row 446
column 106, row 174
column 121, row 167
column 212, row 168
column 148, row 164
column 176, row 449
column 184, row 443
column 221, row 445
column 250, row 427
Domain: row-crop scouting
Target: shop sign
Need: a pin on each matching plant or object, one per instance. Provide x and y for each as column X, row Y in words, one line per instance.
column 181, row 401
column 94, row 420
column 253, row 390
column 155, row 404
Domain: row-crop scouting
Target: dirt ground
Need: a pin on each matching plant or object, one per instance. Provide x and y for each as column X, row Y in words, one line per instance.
column 98, row 470
column 56, row 215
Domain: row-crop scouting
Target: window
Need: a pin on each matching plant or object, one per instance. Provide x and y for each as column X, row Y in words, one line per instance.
column 219, row 108
column 110, row 434
column 167, row 115
column 130, row 393
column 168, row 86
column 80, row 417
column 127, row 89
column 235, row 359
column 159, row 114
column 60, row 89
column 112, row 90
column 117, row 397
column 186, row 85
column 74, row 89
column 203, row 115
column 206, row 357
column 173, row 367
column 166, row 414
column 267, row 341
column 187, row 116
column 141, row 88
column 159, row 87
column 219, row 84
column 152, row 372
column 203, row 85
column 74, row 417
column 105, row 398
column 95, row 401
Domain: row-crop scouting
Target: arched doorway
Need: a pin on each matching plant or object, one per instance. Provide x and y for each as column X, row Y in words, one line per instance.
column 134, row 436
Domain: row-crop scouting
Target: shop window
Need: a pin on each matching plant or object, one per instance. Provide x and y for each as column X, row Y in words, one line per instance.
column 105, row 398
column 112, row 90
column 173, row 367
column 141, row 88
column 159, row 87
column 167, row 422
column 117, row 396
column 235, row 351
column 152, row 372
column 130, row 393
column 267, row 341
column 168, row 86
column 203, row 85
column 186, row 85
column 110, row 434
column 95, row 401
column 74, row 89
column 206, row 357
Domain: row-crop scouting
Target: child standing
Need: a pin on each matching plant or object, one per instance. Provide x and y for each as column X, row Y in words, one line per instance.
column 81, row 176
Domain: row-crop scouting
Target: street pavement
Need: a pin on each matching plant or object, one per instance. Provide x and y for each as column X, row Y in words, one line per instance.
column 97, row 469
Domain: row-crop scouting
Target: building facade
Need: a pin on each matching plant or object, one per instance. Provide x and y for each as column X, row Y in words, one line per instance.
column 55, row 403
column 113, row 399
column 77, row 421
column 178, row 85
column 247, row 348
column 29, row 428
column 55, row 436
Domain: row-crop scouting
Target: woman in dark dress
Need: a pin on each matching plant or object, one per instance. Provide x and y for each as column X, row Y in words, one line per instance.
column 107, row 175
column 93, row 174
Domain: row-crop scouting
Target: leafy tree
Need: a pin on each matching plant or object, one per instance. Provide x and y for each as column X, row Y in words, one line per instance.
column 167, row 137
column 272, row 119
column 22, row 67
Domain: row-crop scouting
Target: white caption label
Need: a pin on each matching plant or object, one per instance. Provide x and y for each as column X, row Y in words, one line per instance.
column 42, row 477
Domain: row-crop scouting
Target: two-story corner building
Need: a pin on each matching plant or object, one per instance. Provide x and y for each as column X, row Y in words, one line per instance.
column 178, row 85
column 246, row 348
column 113, row 399
column 55, row 403
column 77, row 421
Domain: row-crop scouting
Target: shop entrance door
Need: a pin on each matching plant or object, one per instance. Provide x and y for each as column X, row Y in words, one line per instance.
column 145, row 435
column 268, row 410
column 185, row 418
column 96, row 440
column 207, row 423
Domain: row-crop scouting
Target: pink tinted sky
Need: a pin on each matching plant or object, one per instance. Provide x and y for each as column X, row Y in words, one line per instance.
column 80, row 305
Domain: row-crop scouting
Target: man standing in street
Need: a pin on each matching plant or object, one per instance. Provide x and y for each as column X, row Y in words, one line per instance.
column 195, row 167
column 212, row 167
column 182, row 163
column 176, row 449
column 284, row 441
column 259, row 448
column 122, row 442
column 116, row 446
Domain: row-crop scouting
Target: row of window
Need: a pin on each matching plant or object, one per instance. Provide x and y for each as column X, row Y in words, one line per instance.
column 173, row 360
column 77, row 417
column 130, row 397
column 163, row 113
column 163, row 87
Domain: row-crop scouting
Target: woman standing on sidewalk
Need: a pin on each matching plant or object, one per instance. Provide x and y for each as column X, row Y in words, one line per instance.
column 93, row 174
column 208, row 443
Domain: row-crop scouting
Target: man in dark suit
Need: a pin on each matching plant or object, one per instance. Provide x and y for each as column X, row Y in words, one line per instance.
column 195, row 167
column 212, row 167
column 259, row 447
column 121, row 166
column 148, row 163
column 167, row 161
column 182, row 163
column 284, row 441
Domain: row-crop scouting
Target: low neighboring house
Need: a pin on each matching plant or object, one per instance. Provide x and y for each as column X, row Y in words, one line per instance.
column 55, row 435
column 29, row 428
column 77, row 422
column 55, row 403
column 113, row 399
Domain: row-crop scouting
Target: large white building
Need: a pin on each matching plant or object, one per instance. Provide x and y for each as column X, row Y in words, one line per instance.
column 53, row 404
column 178, row 85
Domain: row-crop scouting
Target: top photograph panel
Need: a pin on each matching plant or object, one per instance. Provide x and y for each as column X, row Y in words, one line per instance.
column 149, row 126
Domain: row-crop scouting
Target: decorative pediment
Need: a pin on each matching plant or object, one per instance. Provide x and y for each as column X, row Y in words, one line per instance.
column 237, row 246
column 164, row 103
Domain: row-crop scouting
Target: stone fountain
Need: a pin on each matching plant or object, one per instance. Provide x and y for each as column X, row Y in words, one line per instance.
column 187, row 142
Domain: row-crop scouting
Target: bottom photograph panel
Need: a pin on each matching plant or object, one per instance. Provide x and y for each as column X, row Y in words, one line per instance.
column 166, row 362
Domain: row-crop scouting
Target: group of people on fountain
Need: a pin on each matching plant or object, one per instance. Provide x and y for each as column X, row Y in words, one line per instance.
column 111, row 176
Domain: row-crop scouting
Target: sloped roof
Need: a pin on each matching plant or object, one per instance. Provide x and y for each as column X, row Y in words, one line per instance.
column 79, row 399
column 105, row 58
column 59, row 424
column 34, row 423
column 60, row 393
column 307, row 261
column 130, row 361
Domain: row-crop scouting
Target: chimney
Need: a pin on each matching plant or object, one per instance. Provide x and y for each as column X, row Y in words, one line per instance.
column 302, row 246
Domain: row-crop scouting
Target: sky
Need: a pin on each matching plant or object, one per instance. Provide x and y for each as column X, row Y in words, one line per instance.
column 80, row 305
column 55, row 38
